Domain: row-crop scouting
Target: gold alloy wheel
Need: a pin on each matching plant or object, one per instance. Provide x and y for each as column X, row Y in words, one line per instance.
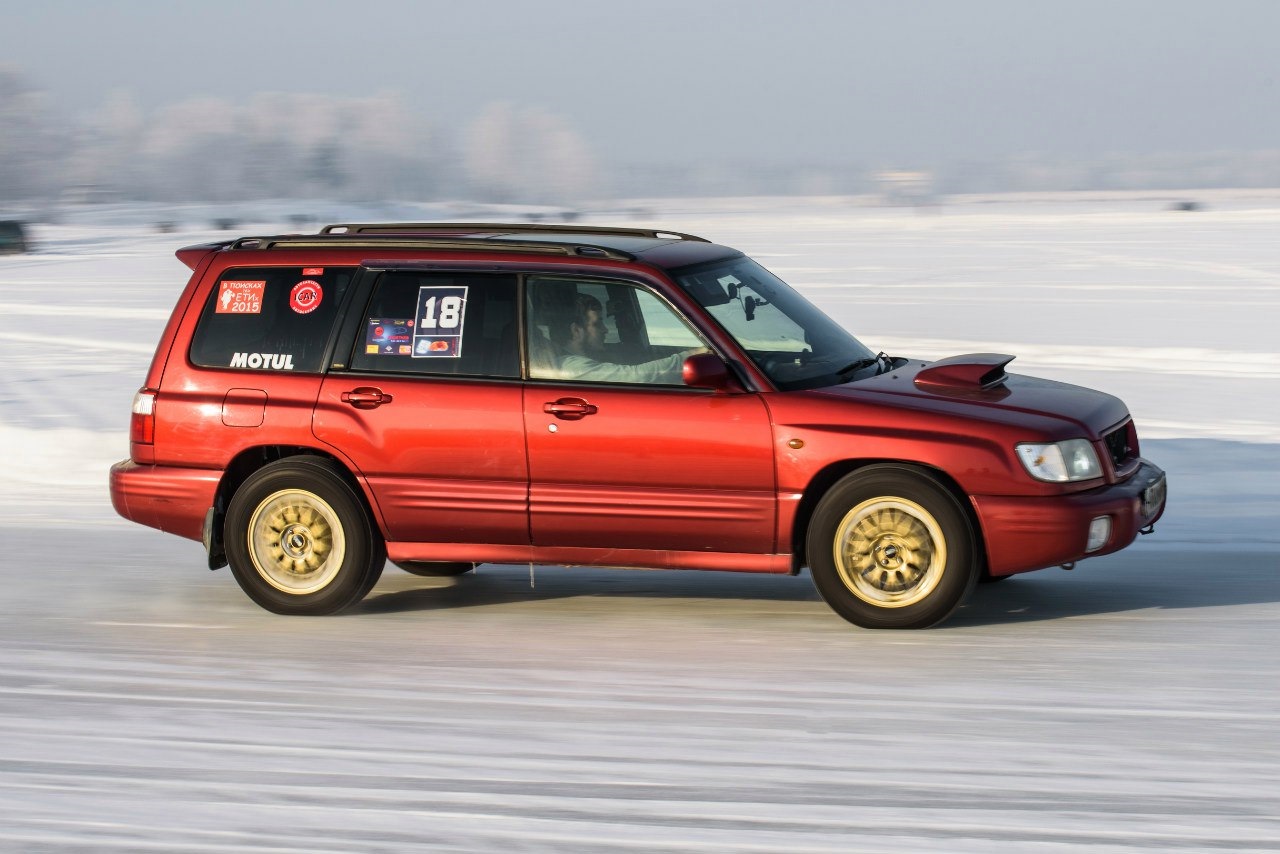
column 296, row 541
column 890, row 552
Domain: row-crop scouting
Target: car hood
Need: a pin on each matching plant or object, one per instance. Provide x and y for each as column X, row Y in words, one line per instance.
column 976, row 386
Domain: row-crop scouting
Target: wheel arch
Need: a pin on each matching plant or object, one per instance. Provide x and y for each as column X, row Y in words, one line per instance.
column 250, row 460
column 831, row 474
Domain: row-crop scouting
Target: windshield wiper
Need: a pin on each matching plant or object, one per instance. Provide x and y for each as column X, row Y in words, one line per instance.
column 854, row 367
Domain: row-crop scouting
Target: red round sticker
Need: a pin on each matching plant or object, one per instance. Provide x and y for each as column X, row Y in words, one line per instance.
column 305, row 296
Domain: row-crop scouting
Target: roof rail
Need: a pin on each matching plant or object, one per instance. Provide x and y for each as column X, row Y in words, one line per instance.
column 463, row 228
column 417, row 241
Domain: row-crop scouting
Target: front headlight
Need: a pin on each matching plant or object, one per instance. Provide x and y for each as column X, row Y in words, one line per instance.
column 1059, row 462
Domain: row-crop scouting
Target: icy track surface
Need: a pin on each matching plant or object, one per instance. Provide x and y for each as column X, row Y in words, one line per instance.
column 1131, row 705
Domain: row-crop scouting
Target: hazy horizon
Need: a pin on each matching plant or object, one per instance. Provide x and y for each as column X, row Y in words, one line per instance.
column 886, row 85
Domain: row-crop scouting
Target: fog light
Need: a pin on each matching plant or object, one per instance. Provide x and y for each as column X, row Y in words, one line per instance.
column 1099, row 533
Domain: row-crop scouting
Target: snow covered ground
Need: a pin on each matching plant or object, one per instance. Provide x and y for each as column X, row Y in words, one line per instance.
column 145, row 704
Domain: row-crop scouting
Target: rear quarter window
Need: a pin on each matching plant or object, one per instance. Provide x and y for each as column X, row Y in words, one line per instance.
column 269, row 318
column 459, row 324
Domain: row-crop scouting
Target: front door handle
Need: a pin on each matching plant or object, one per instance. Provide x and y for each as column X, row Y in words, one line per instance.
column 570, row 408
column 365, row 397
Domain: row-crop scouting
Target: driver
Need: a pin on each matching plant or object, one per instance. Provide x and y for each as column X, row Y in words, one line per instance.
column 581, row 339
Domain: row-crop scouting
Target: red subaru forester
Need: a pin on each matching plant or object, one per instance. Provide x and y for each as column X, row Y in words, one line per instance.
column 446, row 395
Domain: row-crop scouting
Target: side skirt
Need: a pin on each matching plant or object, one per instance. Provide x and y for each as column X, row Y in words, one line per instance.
column 565, row 556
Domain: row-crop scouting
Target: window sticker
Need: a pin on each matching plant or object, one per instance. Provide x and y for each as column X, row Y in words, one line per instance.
column 308, row 272
column 389, row 336
column 441, row 312
column 267, row 361
column 240, row 297
column 306, row 296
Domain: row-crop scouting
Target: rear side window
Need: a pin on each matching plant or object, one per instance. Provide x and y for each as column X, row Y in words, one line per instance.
column 270, row 318
column 460, row 324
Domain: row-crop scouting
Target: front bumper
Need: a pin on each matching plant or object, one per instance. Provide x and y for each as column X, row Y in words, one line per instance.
column 170, row 498
column 1024, row 533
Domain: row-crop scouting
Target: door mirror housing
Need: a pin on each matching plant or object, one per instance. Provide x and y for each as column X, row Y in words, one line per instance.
column 707, row 370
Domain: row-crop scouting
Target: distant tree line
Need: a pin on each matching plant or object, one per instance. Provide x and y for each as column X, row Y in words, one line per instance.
column 378, row 148
column 283, row 146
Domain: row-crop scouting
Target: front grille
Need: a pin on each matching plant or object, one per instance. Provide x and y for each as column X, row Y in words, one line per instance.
column 1122, row 445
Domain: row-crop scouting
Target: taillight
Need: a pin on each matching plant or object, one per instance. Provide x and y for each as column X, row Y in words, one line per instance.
column 142, row 426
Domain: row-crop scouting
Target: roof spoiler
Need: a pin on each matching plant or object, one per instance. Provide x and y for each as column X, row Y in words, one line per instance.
column 193, row 255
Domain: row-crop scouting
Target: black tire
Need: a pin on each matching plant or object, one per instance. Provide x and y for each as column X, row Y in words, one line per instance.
column 299, row 539
column 434, row 569
column 891, row 548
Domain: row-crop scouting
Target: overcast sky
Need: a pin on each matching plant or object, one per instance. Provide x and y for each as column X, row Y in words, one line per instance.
column 894, row 82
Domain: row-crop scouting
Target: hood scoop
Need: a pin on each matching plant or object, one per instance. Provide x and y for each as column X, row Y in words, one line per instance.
column 971, row 372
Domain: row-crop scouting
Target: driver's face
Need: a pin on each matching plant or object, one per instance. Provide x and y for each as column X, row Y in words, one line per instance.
column 594, row 332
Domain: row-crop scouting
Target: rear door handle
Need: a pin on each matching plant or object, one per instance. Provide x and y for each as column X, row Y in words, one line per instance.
column 365, row 397
column 570, row 408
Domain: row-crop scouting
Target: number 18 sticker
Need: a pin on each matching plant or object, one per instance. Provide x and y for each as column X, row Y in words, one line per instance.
column 441, row 312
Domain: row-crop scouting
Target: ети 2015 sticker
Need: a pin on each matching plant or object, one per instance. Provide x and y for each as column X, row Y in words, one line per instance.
column 240, row 297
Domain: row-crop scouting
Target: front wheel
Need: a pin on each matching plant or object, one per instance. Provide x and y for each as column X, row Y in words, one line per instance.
column 299, row 539
column 891, row 548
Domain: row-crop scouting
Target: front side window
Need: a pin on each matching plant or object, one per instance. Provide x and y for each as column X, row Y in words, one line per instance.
column 270, row 318
column 790, row 340
column 601, row 331
column 461, row 324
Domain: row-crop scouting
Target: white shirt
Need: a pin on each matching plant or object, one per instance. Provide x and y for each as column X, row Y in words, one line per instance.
column 666, row 370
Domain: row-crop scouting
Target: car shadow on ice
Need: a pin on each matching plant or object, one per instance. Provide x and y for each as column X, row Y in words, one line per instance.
column 497, row 585
column 1130, row 581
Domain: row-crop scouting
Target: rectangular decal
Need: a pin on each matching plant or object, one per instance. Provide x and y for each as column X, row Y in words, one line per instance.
column 441, row 313
column 388, row 336
column 240, row 297
column 312, row 271
column 263, row 361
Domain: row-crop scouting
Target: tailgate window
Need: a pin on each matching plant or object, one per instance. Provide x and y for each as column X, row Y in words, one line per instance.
column 270, row 318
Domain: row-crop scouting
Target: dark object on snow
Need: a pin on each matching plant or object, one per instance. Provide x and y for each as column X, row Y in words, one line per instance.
column 226, row 223
column 13, row 237
column 1186, row 206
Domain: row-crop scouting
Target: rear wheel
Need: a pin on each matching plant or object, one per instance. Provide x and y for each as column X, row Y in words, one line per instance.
column 299, row 539
column 891, row 548
column 433, row 568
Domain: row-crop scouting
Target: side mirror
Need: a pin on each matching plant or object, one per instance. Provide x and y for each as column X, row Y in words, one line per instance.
column 707, row 370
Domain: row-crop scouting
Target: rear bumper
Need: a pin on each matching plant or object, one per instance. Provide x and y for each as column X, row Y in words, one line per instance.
column 166, row 497
column 1024, row 533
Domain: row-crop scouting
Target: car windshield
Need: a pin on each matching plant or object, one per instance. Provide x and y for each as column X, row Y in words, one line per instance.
column 788, row 338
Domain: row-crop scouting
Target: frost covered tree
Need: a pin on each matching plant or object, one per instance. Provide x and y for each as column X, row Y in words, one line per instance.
column 280, row 145
column 193, row 151
column 388, row 150
column 105, row 155
column 31, row 150
column 526, row 154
